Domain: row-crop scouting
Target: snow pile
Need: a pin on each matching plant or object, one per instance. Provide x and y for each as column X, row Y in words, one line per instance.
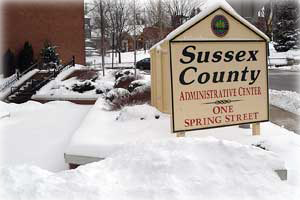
column 295, row 68
column 138, row 112
column 286, row 100
column 13, row 181
column 4, row 114
column 37, row 134
column 171, row 169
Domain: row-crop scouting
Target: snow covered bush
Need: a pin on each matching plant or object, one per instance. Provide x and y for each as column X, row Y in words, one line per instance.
column 141, row 95
column 137, row 91
column 124, row 81
column 102, row 90
column 137, row 83
column 104, row 86
column 83, row 86
column 117, row 98
column 125, row 72
column 124, row 78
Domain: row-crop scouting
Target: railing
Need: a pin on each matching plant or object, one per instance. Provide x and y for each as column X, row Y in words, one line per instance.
column 29, row 69
column 47, row 79
column 9, row 82
column 123, row 65
column 16, row 77
column 54, row 74
column 67, row 65
column 13, row 89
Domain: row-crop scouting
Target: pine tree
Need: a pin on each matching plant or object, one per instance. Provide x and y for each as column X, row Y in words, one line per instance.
column 25, row 58
column 286, row 31
column 49, row 55
column 9, row 63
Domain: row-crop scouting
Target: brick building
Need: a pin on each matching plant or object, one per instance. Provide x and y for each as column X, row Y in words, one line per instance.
column 59, row 21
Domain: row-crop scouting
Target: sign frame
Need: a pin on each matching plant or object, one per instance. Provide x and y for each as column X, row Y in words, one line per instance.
column 263, row 40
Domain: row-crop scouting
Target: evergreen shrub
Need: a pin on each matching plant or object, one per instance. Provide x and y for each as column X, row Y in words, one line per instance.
column 25, row 57
column 49, row 56
column 9, row 67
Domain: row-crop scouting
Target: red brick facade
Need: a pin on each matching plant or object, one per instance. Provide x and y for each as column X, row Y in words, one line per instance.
column 60, row 22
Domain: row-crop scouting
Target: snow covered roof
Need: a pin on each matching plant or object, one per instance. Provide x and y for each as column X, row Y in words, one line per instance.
column 208, row 8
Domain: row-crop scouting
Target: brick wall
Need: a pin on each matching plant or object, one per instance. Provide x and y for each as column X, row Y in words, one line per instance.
column 60, row 22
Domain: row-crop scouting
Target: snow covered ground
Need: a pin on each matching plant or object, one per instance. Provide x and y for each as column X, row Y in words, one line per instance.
column 143, row 159
column 37, row 134
column 61, row 88
column 281, row 59
column 173, row 169
column 286, row 100
column 139, row 123
column 126, row 57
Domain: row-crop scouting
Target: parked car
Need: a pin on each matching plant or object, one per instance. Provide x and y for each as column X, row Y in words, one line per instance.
column 143, row 64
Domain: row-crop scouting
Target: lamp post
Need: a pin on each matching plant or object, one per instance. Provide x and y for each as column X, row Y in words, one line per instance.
column 102, row 39
column 134, row 38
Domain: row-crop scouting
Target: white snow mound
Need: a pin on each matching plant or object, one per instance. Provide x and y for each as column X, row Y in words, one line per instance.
column 171, row 169
column 140, row 112
column 286, row 100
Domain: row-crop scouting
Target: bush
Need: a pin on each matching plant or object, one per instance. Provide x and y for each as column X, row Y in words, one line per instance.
column 25, row 57
column 117, row 98
column 124, row 81
column 83, row 86
column 9, row 64
column 137, row 83
column 49, row 55
column 141, row 95
column 125, row 72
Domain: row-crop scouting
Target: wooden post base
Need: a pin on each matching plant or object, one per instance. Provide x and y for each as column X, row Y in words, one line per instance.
column 256, row 129
column 180, row 134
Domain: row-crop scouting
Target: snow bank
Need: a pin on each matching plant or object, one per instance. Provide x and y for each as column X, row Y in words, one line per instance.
column 142, row 112
column 4, row 114
column 286, row 100
column 295, row 68
column 35, row 133
column 172, row 169
column 17, row 177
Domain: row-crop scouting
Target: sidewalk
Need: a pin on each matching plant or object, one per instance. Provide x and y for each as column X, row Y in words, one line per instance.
column 285, row 119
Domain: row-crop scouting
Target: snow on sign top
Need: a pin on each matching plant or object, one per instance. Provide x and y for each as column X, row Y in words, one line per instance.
column 209, row 8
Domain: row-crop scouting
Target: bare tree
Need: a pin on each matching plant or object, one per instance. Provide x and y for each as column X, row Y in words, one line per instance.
column 182, row 10
column 171, row 13
column 118, row 17
column 100, row 22
column 157, row 13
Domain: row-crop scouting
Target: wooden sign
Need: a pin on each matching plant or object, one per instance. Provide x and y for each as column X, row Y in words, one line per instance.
column 218, row 83
column 218, row 73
